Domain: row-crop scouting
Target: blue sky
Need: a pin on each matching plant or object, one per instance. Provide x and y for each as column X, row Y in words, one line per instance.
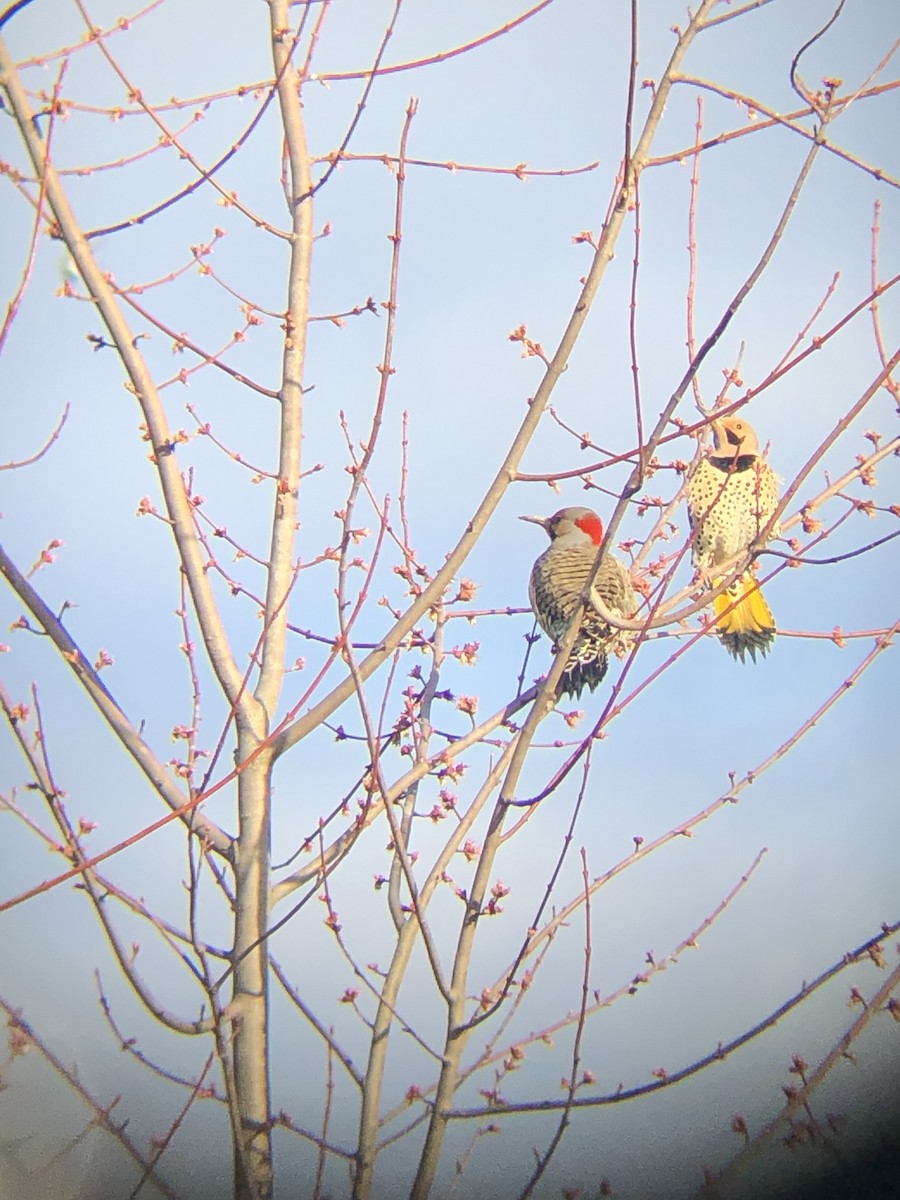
column 481, row 254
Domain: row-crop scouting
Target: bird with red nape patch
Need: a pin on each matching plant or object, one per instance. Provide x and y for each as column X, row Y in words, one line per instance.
column 555, row 589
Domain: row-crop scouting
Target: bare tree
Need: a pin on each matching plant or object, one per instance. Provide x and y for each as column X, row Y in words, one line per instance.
column 344, row 808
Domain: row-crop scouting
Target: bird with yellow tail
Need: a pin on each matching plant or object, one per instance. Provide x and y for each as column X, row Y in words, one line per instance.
column 731, row 497
column 555, row 587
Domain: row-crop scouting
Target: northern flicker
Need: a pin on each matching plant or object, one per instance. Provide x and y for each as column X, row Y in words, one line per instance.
column 731, row 498
column 557, row 581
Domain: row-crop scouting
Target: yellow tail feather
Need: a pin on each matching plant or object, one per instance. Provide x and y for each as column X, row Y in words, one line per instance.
column 744, row 620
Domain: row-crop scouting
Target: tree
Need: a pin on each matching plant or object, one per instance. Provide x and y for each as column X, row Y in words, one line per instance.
column 354, row 867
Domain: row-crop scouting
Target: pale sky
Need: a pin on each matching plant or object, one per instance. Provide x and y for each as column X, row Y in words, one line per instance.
column 482, row 254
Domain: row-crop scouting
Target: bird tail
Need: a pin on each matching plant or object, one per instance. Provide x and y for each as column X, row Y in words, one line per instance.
column 586, row 669
column 744, row 621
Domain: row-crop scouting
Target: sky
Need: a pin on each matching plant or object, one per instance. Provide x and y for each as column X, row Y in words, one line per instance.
column 482, row 253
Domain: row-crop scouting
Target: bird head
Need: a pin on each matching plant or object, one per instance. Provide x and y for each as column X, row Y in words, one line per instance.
column 574, row 524
column 733, row 437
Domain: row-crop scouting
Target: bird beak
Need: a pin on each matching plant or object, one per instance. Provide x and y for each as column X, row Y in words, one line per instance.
column 542, row 521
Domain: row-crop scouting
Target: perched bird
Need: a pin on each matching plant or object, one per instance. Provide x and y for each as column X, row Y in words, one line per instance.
column 557, row 581
column 731, row 497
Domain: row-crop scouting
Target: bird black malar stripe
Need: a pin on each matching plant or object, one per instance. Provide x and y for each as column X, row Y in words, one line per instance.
column 555, row 587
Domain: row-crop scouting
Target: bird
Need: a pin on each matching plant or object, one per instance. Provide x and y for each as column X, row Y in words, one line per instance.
column 555, row 588
column 732, row 496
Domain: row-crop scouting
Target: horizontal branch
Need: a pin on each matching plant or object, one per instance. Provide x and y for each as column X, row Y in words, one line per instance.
column 721, row 1052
